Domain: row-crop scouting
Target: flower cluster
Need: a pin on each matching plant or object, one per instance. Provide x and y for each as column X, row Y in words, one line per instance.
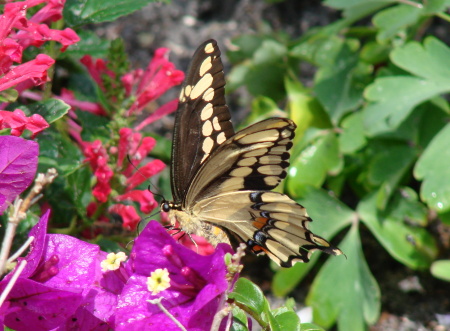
column 137, row 148
column 90, row 289
column 17, row 121
column 107, row 159
column 17, row 32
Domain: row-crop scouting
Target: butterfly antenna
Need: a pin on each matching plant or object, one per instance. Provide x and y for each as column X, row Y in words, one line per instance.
column 150, row 181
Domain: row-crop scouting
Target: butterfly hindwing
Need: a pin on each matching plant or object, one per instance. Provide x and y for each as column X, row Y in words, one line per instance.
column 268, row 222
column 202, row 120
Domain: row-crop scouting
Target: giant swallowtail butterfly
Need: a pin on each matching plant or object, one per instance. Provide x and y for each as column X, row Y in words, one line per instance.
column 221, row 180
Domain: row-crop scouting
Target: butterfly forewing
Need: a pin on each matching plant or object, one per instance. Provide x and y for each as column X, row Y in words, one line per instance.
column 202, row 120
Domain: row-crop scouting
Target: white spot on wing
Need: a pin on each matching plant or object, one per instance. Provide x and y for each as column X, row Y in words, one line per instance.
column 207, row 112
column 187, row 90
column 206, row 65
column 201, row 86
column 208, row 144
column 221, row 138
column 216, row 124
column 209, row 48
column 209, row 94
column 207, row 128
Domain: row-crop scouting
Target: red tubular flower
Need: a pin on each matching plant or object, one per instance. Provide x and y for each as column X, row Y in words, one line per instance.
column 145, row 172
column 128, row 144
column 31, row 73
column 18, row 122
column 129, row 215
column 96, row 69
column 31, row 31
column 144, row 197
column 69, row 98
column 98, row 158
column 162, row 111
column 159, row 76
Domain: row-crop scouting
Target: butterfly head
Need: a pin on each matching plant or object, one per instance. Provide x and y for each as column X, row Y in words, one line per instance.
column 167, row 206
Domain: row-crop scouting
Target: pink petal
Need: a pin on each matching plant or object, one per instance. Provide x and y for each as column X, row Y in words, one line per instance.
column 10, row 51
column 130, row 79
column 144, row 173
column 51, row 12
column 159, row 76
column 144, row 197
column 35, row 71
column 18, row 122
column 129, row 215
column 96, row 69
column 162, row 111
column 69, row 98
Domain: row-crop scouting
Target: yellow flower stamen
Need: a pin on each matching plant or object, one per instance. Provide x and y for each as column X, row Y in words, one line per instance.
column 112, row 261
column 158, row 281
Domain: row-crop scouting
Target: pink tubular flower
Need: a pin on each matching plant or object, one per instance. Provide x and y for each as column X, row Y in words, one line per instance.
column 31, row 73
column 31, row 32
column 17, row 32
column 96, row 69
column 162, row 111
column 145, row 172
column 98, row 158
column 159, row 76
column 144, row 197
column 18, row 122
column 69, row 98
column 129, row 215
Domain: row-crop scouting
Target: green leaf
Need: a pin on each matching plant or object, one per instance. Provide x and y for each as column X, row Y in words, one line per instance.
column 304, row 109
column 345, row 290
column 311, row 327
column 392, row 20
column 375, row 53
column 441, row 269
column 57, row 151
column 352, row 137
column 269, row 52
column 249, row 294
column 387, row 167
column 329, row 217
column 287, row 319
column 240, row 321
column 9, row 95
column 51, row 110
column 433, row 168
column 244, row 46
column 90, row 44
column 337, row 82
column 393, row 98
column 262, row 108
column 264, row 74
column 94, row 127
column 78, row 12
column 433, row 120
column 410, row 245
column 430, row 60
column 79, row 189
column 405, row 205
column 314, row 163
